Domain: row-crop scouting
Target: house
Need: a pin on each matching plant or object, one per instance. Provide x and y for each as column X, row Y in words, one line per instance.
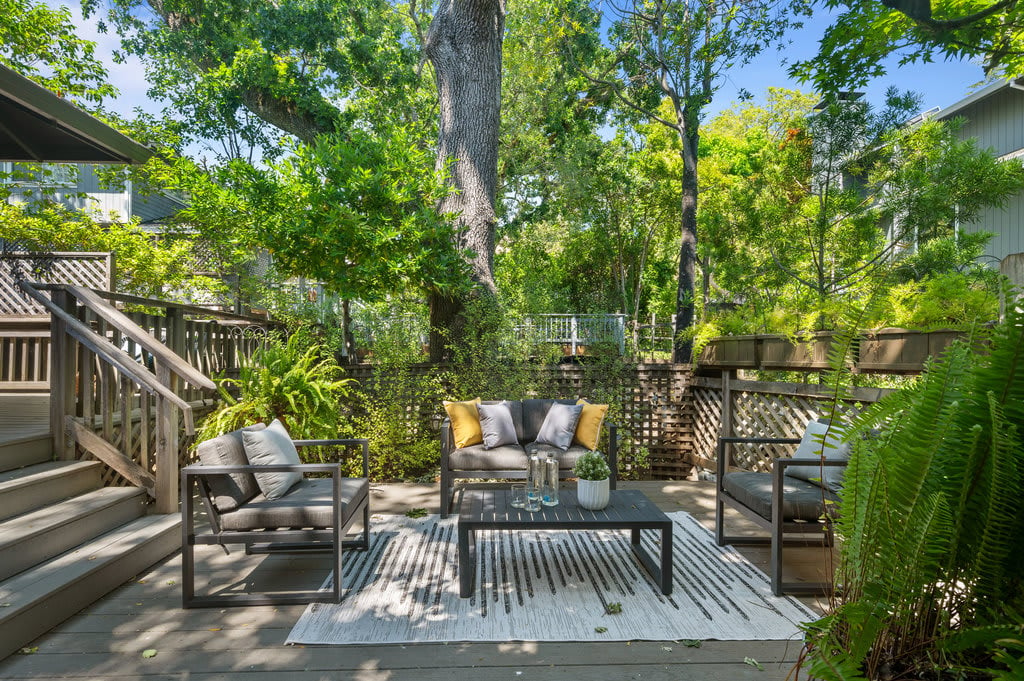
column 994, row 116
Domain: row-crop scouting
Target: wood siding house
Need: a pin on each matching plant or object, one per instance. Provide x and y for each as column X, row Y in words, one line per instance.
column 994, row 116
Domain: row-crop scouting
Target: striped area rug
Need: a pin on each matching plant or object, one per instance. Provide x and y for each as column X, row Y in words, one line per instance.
column 545, row 586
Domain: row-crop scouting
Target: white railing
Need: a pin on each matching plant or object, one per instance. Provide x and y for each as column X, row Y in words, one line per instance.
column 575, row 331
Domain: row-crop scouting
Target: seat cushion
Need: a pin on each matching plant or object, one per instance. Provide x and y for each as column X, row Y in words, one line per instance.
column 307, row 504
column 566, row 459
column 229, row 491
column 272, row 445
column 802, row 500
column 476, row 458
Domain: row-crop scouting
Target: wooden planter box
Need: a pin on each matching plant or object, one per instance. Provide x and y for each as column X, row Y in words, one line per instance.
column 901, row 350
column 778, row 353
column 731, row 352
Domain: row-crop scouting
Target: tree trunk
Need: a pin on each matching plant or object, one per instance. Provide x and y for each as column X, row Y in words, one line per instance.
column 682, row 349
column 464, row 46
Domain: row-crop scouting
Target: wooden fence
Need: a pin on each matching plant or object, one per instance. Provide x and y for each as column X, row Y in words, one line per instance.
column 731, row 407
column 91, row 270
column 649, row 403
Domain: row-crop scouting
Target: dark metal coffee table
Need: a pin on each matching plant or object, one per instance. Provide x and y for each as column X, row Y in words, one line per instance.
column 628, row 509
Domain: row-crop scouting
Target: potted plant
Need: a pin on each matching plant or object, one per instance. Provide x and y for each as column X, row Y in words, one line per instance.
column 592, row 489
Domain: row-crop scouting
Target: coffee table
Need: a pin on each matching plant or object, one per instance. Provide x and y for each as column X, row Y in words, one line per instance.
column 628, row 509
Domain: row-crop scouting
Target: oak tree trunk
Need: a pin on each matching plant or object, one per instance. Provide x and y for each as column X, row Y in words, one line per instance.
column 464, row 47
column 682, row 348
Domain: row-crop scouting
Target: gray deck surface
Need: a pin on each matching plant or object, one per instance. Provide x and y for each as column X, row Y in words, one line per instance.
column 106, row 641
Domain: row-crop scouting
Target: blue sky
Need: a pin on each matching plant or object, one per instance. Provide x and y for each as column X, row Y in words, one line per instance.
column 940, row 84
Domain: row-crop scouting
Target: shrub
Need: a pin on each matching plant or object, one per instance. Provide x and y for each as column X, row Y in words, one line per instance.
column 591, row 466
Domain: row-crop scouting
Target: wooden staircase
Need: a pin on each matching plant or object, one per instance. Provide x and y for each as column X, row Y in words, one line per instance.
column 66, row 540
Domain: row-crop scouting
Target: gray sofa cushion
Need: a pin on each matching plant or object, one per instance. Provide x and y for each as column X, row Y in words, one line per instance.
column 497, row 425
column 559, row 425
column 272, row 445
column 516, row 407
column 476, row 458
column 811, row 447
column 566, row 459
column 307, row 504
column 802, row 500
column 229, row 491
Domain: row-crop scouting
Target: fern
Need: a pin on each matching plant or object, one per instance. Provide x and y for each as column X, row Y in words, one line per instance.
column 930, row 522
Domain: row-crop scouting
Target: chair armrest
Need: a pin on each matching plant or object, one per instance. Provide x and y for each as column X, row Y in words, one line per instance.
column 446, row 437
column 763, row 440
column 786, row 461
column 613, row 451
column 362, row 442
column 198, row 470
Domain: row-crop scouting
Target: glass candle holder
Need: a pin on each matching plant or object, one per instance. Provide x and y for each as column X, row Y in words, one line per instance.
column 518, row 496
column 532, row 499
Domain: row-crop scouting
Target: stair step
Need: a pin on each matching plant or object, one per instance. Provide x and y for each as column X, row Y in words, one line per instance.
column 34, row 537
column 39, row 599
column 32, row 487
column 25, row 451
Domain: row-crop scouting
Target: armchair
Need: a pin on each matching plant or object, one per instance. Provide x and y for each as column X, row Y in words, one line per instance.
column 313, row 516
column 798, row 496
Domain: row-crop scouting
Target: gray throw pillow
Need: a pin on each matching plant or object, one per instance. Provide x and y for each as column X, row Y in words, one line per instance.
column 272, row 446
column 829, row 477
column 560, row 425
column 497, row 425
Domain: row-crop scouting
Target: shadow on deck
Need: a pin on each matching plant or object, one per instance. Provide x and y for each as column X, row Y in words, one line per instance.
column 107, row 639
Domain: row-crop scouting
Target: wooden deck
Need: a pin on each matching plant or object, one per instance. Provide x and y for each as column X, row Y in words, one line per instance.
column 24, row 415
column 106, row 640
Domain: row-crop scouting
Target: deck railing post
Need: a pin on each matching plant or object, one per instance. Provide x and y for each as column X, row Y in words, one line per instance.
column 166, row 447
column 62, row 377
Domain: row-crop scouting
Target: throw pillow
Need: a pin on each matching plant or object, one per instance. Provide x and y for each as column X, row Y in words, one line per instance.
column 559, row 425
column 272, row 445
column 496, row 425
column 588, row 430
column 829, row 477
column 465, row 422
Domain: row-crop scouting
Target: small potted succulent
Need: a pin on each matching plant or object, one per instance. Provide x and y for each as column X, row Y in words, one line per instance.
column 592, row 490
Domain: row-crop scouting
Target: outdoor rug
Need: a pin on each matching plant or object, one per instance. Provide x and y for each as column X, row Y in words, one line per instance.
column 550, row 585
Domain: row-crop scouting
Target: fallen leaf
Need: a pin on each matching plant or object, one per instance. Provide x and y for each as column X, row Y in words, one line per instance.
column 142, row 581
column 215, row 629
column 5, row 605
column 667, row 649
column 170, row 582
column 149, row 652
column 753, row 663
column 691, row 643
column 600, row 630
column 29, row 651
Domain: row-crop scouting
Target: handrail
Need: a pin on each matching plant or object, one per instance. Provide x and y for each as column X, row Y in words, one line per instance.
column 133, row 331
column 118, row 358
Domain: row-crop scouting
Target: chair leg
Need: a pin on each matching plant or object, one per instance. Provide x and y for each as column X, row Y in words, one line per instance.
column 446, row 494
column 719, row 521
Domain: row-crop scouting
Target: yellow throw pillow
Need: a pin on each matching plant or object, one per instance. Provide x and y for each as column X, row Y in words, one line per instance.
column 465, row 422
column 588, row 428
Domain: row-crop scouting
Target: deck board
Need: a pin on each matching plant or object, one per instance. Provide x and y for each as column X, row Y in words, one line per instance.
column 106, row 640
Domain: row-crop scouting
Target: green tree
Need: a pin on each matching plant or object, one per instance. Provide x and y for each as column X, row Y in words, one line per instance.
column 679, row 50
column 866, row 32
column 41, row 43
column 813, row 208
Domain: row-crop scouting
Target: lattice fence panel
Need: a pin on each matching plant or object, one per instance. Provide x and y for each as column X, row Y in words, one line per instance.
column 94, row 270
column 774, row 411
column 649, row 403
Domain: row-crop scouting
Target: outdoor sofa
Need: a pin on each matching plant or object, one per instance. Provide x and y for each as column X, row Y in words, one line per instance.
column 509, row 459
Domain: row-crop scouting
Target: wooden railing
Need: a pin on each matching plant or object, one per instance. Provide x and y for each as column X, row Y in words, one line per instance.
column 124, row 390
column 24, row 354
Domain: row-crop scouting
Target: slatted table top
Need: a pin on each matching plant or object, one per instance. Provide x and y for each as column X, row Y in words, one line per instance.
column 627, row 508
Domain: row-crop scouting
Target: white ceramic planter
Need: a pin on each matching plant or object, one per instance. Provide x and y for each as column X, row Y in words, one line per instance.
column 592, row 494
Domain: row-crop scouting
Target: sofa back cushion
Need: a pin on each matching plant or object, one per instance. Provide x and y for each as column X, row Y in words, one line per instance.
column 229, row 491
column 465, row 420
column 534, row 413
column 559, row 425
column 270, row 446
column 815, row 443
